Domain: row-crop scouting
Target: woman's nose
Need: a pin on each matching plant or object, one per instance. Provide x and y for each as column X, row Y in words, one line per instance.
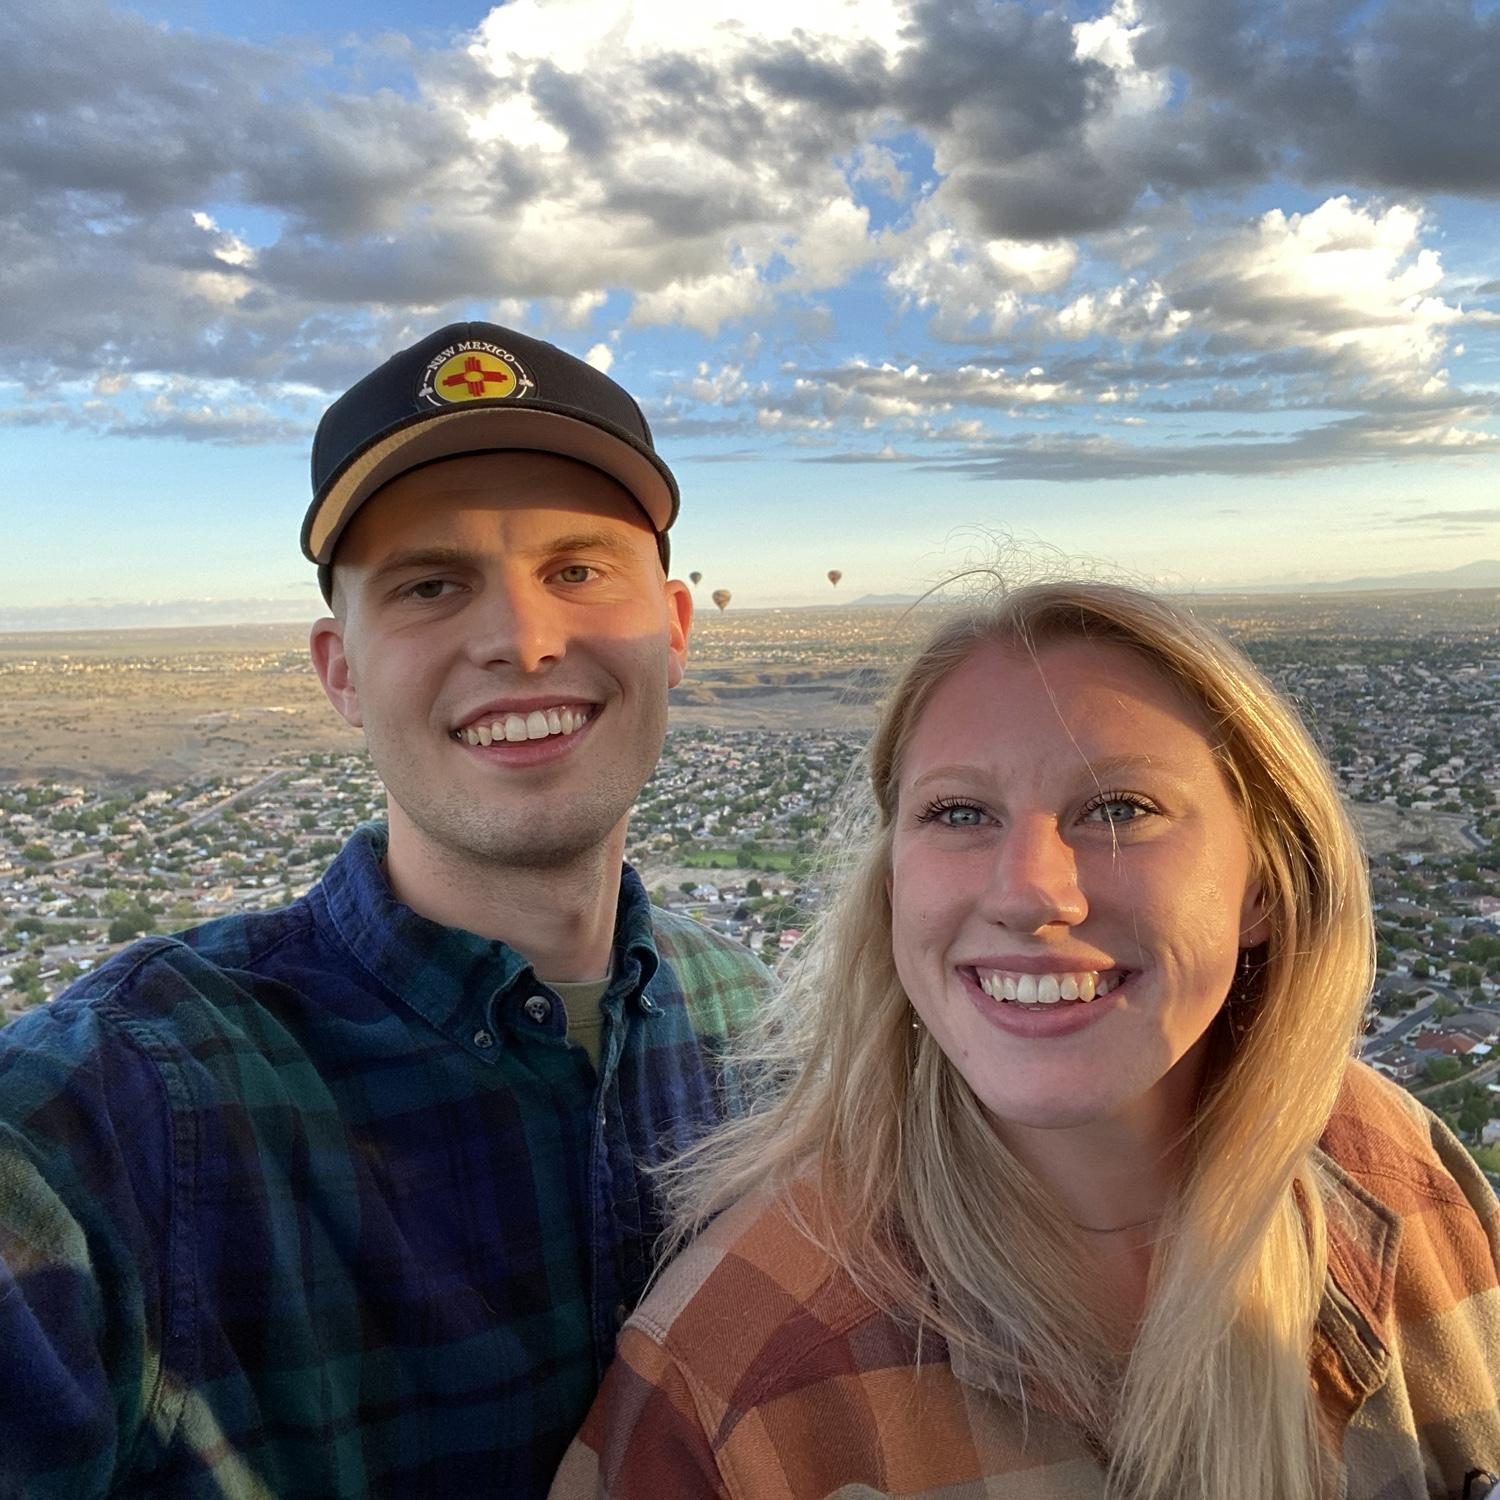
column 1034, row 879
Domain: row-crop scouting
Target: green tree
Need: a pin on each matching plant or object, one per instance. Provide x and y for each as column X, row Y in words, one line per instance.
column 130, row 924
column 1442, row 1069
column 1488, row 1157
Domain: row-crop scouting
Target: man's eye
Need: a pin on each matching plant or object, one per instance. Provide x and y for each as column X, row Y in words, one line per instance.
column 427, row 588
column 575, row 573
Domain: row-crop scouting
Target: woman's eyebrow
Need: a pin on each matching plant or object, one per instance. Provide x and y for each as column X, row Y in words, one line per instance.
column 1105, row 766
column 1115, row 765
column 941, row 773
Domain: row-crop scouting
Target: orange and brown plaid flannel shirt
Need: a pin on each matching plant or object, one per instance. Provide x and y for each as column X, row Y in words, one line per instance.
column 756, row 1371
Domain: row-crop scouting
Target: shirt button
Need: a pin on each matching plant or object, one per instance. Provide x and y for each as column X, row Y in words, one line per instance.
column 621, row 1313
column 482, row 1038
column 538, row 1008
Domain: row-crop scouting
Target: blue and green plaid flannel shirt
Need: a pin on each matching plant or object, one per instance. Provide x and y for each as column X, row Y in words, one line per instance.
column 321, row 1201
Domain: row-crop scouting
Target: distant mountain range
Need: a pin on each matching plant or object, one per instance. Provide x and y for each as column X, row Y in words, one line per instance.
column 1475, row 575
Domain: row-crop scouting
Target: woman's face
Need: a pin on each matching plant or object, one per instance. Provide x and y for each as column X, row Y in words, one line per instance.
column 1063, row 830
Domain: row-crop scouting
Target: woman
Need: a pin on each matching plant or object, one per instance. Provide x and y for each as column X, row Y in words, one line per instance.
column 1065, row 1183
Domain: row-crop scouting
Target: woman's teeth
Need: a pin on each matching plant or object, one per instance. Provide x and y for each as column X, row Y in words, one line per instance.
column 1047, row 989
column 537, row 725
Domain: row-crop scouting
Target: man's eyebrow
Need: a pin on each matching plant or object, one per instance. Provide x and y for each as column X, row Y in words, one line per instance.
column 437, row 556
column 611, row 542
column 421, row 557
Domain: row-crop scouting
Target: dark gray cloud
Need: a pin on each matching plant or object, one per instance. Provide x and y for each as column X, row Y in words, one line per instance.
column 1354, row 441
column 1399, row 95
column 1448, row 518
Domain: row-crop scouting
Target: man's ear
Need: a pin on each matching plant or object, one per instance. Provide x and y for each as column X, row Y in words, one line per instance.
column 679, row 628
column 331, row 663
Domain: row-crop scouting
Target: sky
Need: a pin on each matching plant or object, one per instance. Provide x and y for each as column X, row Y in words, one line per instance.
column 1204, row 290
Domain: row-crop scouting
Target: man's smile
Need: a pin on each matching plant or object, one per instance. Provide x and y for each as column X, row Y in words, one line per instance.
column 515, row 726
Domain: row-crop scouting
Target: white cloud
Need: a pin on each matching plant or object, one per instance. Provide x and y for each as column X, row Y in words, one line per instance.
column 703, row 303
column 977, row 289
column 601, row 357
column 1127, row 312
column 1352, row 284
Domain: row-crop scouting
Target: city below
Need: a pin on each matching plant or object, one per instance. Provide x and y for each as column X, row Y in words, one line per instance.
column 152, row 780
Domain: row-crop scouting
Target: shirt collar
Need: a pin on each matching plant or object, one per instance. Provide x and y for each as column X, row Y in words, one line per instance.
column 1352, row 1339
column 456, row 980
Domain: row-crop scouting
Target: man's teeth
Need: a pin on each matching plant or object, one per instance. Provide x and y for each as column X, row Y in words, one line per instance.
column 1047, row 989
column 537, row 725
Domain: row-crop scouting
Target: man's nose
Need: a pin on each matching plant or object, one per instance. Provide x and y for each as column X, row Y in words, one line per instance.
column 1034, row 878
column 517, row 624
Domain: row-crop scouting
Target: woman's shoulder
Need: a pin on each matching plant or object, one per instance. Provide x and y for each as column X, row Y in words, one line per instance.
column 1414, row 1247
column 755, row 1292
column 1399, row 1150
column 1412, row 1221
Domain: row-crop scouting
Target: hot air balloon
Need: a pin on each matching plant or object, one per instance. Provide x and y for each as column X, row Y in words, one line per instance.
column 834, row 575
column 721, row 598
column 695, row 579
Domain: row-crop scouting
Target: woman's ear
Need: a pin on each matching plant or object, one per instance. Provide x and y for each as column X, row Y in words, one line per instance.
column 1255, row 924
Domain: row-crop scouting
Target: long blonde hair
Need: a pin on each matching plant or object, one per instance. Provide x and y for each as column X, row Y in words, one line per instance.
column 944, row 1228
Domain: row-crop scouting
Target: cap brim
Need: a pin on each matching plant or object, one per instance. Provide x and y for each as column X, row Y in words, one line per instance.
column 477, row 430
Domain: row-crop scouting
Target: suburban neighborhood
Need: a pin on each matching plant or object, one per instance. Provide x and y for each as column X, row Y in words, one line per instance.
column 729, row 831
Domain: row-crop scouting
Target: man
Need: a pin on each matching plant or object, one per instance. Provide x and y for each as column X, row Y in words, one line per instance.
column 347, row 1198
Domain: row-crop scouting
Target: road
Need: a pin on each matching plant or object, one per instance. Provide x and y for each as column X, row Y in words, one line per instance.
column 1482, row 1074
column 196, row 821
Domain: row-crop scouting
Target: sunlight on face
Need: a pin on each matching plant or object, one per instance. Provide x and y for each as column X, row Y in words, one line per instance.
column 1063, row 828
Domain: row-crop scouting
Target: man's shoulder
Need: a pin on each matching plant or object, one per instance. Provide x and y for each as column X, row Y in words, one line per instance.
column 721, row 981
column 165, row 992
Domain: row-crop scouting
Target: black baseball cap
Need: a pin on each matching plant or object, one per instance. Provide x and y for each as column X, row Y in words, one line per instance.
column 476, row 388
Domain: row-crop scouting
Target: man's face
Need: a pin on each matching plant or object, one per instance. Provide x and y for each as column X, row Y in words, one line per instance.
column 506, row 641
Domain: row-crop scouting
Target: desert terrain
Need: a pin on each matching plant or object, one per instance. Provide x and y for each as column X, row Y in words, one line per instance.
column 135, row 708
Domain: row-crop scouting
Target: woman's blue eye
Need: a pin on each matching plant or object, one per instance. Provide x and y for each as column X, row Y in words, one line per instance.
column 1118, row 810
column 952, row 814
